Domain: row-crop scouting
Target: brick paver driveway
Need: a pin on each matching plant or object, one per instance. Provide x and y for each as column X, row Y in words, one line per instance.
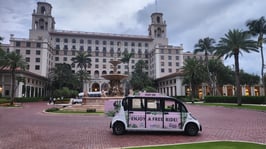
column 30, row 128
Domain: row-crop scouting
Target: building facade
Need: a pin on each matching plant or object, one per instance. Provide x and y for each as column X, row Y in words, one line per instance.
column 47, row 46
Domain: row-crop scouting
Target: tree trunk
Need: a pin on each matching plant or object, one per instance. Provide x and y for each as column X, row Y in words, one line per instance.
column 191, row 95
column 262, row 70
column 209, row 74
column 12, row 87
column 238, row 89
column 128, row 68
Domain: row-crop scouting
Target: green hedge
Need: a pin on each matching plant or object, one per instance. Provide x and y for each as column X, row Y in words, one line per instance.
column 182, row 98
column 186, row 98
column 233, row 99
column 62, row 101
column 2, row 101
column 53, row 109
column 33, row 99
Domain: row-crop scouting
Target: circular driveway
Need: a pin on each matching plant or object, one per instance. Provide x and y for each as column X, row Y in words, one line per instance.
column 29, row 128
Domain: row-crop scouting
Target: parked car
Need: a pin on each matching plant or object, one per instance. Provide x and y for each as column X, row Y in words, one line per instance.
column 76, row 100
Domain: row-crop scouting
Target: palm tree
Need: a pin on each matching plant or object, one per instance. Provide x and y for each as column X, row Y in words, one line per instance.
column 206, row 45
column 194, row 73
column 258, row 28
column 83, row 60
column 126, row 59
column 13, row 61
column 234, row 42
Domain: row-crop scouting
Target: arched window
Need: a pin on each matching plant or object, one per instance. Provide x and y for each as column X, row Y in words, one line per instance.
column 41, row 23
column 146, row 53
column 159, row 32
column 73, row 40
column 112, row 51
column 158, row 19
column 36, row 25
column 46, row 25
column 97, row 42
column 104, row 72
column 139, row 51
column 43, row 11
column 126, row 51
column 132, row 50
column 96, row 74
column 104, row 49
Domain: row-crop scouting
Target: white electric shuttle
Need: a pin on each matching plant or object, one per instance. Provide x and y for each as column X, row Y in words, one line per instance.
column 153, row 112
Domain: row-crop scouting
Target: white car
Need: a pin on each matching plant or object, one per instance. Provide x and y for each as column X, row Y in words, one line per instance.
column 76, row 100
column 153, row 112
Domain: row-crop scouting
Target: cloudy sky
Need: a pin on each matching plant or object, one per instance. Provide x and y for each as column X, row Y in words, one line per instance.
column 187, row 20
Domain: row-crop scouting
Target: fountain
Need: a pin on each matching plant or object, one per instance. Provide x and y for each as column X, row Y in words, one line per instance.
column 98, row 103
column 115, row 80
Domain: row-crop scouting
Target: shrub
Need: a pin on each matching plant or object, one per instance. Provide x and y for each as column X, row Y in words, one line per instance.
column 65, row 92
column 90, row 110
column 53, row 109
column 233, row 99
column 186, row 99
column 62, row 101
column 28, row 99
column 253, row 99
column 3, row 101
column 182, row 98
column 150, row 89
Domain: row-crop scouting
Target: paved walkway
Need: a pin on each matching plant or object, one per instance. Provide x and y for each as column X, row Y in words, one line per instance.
column 30, row 128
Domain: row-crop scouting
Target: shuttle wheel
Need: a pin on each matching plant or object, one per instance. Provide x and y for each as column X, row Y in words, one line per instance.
column 118, row 128
column 191, row 129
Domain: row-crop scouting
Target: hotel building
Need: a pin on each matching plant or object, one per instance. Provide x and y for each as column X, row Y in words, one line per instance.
column 47, row 46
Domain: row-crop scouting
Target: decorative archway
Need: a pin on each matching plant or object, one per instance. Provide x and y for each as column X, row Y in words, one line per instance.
column 95, row 87
column 105, row 87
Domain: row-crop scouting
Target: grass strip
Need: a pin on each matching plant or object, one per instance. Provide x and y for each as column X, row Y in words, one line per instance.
column 78, row 112
column 209, row 145
column 243, row 106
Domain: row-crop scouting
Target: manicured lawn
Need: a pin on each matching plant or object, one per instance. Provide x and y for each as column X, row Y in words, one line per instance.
column 78, row 112
column 230, row 105
column 210, row 145
column 64, row 111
